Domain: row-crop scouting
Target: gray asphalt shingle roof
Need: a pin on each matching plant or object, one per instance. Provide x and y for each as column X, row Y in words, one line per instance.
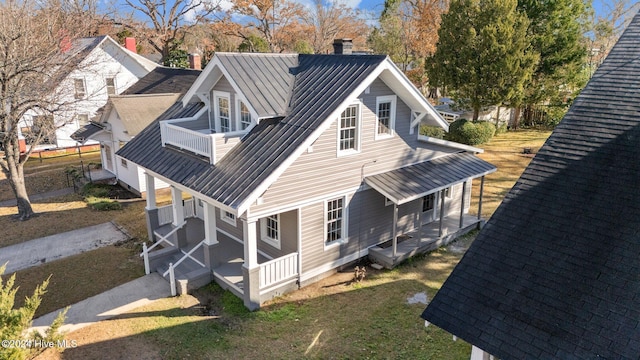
column 322, row 83
column 409, row 183
column 163, row 80
column 554, row 273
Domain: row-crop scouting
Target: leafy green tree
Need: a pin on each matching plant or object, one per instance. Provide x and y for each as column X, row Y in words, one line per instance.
column 14, row 322
column 483, row 55
column 557, row 33
column 254, row 43
column 176, row 57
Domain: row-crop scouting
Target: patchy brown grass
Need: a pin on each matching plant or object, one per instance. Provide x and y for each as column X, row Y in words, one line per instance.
column 505, row 151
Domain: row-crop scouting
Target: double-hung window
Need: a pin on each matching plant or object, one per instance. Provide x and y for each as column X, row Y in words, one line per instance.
column 79, row 88
column 428, row 202
column 385, row 116
column 228, row 217
column 335, row 220
column 270, row 230
column 349, row 130
column 111, row 85
column 222, row 111
column 245, row 115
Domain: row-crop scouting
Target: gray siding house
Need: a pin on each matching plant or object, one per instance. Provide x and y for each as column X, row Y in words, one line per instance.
column 284, row 168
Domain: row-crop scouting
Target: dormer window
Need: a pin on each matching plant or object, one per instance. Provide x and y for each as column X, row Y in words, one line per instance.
column 349, row 130
column 222, row 111
column 244, row 115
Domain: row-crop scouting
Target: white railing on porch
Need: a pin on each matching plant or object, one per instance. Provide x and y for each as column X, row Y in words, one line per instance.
column 278, row 270
column 145, row 249
column 165, row 213
column 198, row 143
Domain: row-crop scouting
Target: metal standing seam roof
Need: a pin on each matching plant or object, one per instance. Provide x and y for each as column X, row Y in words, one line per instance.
column 322, row 83
column 415, row 181
column 554, row 273
column 265, row 79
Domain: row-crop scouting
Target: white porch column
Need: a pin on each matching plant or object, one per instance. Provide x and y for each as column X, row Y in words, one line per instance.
column 464, row 190
column 442, row 196
column 421, row 206
column 210, row 229
column 250, row 269
column 250, row 244
column 480, row 200
column 395, row 230
column 151, row 191
column 177, row 206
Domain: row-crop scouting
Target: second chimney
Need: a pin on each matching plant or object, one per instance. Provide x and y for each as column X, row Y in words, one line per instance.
column 342, row 46
column 130, row 44
column 194, row 62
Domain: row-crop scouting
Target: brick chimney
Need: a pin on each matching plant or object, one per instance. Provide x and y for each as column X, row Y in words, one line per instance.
column 65, row 41
column 130, row 44
column 195, row 62
column 342, row 46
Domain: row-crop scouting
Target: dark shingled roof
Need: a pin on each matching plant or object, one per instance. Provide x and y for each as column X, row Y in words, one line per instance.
column 409, row 183
column 555, row 272
column 85, row 132
column 322, row 83
column 163, row 80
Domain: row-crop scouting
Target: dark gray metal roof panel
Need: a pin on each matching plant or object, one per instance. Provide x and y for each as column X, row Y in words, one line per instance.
column 322, row 82
column 164, row 80
column 85, row 132
column 412, row 182
column 265, row 79
column 554, row 273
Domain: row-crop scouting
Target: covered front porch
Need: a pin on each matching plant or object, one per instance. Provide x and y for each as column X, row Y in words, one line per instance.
column 430, row 183
column 428, row 239
column 192, row 236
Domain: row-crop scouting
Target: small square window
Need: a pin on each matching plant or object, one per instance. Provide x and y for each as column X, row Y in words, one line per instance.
column 123, row 162
column 83, row 119
column 228, row 217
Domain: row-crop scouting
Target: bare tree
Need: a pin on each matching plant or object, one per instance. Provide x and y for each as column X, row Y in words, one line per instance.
column 332, row 19
column 170, row 20
column 36, row 53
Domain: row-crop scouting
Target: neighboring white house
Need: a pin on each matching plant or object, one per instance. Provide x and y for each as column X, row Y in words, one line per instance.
column 126, row 115
column 451, row 113
column 104, row 68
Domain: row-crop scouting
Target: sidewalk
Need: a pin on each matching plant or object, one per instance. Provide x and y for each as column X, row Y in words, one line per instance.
column 109, row 304
column 38, row 197
column 38, row 251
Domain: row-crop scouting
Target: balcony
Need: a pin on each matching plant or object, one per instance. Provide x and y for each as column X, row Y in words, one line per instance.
column 196, row 137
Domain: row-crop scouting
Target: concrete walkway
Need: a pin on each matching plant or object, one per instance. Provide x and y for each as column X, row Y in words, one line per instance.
column 40, row 196
column 54, row 247
column 109, row 304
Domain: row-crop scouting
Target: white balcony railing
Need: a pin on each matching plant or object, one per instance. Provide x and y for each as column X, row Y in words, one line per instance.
column 278, row 270
column 201, row 143
column 198, row 143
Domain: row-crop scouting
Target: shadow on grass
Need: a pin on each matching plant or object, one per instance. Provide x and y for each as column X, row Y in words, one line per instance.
column 333, row 318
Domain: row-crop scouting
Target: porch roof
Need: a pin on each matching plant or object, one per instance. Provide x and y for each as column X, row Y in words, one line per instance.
column 85, row 132
column 415, row 181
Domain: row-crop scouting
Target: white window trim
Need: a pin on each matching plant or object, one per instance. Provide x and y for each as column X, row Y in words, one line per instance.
column 448, row 193
column 239, row 115
column 358, row 136
column 263, row 232
column 228, row 220
column 123, row 163
column 80, row 123
column 392, row 116
column 216, row 112
column 345, row 223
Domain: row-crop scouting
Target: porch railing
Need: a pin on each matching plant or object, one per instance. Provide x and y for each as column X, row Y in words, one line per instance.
column 145, row 249
column 165, row 213
column 278, row 270
column 172, row 266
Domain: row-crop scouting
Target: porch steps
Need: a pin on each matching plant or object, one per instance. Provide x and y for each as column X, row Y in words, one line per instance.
column 189, row 275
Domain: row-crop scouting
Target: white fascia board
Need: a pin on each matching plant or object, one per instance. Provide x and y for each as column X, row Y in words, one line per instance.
column 387, row 195
column 257, row 192
column 416, row 94
column 195, row 87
